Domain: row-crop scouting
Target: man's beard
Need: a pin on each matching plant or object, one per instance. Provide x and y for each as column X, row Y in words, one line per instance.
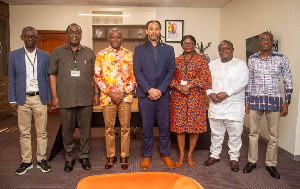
column 152, row 38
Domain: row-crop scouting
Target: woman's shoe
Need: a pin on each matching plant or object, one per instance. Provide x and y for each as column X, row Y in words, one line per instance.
column 191, row 164
column 178, row 164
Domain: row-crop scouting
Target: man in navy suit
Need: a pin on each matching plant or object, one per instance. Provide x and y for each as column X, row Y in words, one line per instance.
column 29, row 94
column 154, row 66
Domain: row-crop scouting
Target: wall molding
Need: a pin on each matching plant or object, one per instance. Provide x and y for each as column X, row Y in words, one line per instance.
column 281, row 150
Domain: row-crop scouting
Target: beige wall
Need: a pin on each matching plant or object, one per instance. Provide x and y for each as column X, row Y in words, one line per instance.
column 44, row 17
column 242, row 19
column 203, row 24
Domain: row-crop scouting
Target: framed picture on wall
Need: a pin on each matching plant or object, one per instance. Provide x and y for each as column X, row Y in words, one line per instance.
column 174, row 30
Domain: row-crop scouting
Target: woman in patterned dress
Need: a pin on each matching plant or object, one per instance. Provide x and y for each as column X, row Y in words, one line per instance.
column 187, row 109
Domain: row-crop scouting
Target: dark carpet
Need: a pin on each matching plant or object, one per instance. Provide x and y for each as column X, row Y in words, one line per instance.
column 217, row 176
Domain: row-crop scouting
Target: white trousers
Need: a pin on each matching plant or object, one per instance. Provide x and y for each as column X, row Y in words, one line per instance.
column 218, row 129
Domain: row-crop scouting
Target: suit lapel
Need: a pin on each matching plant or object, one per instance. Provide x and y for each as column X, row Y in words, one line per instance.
column 22, row 60
column 159, row 46
column 39, row 61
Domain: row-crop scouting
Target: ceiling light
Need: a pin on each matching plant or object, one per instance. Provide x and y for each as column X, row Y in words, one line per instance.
column 120, row 15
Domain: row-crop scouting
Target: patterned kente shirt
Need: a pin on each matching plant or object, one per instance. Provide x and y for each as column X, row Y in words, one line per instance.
column 263, row 91
column 114, row 73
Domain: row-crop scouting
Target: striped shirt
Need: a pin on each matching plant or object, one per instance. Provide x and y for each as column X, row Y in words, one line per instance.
column 263, row 91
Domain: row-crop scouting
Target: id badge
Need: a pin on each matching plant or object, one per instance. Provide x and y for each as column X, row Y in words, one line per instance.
column 183, row 82
column 33, row 82
column 75, row 73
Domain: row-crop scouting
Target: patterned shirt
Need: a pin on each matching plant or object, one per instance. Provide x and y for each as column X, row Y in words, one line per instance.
column 263, row 91
column 114, row 73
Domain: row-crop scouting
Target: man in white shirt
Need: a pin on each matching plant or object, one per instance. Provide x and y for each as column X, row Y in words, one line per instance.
column 227, row 105
column 29, row 94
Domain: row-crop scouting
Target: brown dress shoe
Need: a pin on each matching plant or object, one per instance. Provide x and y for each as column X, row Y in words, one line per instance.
column 234, row 165
column 110, row 163
column 169, row 163
column 124, row 163
column 145, row 164
column 210, row 161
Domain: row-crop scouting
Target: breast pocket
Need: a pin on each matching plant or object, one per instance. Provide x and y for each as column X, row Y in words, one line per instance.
column 88, row 66
column 62, row 65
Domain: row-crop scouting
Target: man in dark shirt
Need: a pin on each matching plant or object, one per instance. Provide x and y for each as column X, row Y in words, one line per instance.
column 71, row 72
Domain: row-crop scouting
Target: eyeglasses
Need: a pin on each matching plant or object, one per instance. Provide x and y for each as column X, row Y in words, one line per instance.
column 74, row 33
column 33, row 37
column 266, row 39
column 224, row 49
column 189, row 43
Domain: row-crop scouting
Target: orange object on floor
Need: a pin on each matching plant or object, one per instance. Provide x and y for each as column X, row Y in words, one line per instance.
column 139, row 180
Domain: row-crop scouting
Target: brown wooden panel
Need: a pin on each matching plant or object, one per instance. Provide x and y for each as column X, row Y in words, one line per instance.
column 49, row 40
column 135, row 29
column 4, row 9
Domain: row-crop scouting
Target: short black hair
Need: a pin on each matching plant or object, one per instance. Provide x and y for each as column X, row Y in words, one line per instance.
column 226, row 41
column 29, row 27
column 266, row 32
column 73, row 24
column 188, row 37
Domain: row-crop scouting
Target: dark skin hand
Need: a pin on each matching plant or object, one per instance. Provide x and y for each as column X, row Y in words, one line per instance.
column 96, row 100
column 247, row 110
column 49, row 104
column 14, row 106
column 183, row 89
column 213, row 97
column 116, row 97
column 222, row 96
column 284, row 110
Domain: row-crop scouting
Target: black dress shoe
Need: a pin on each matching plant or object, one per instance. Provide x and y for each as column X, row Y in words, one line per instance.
column 69, row 166
column 110, row 163
column 248, row 168
column 234, row 166
column 86, row 165
column 273, row 172
column 124, row 163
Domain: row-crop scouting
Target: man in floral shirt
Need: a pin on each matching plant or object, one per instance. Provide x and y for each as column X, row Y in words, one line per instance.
column 115, row 78
column 263, row 96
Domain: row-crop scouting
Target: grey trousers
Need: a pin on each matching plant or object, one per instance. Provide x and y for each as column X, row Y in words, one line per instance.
column 83, row 116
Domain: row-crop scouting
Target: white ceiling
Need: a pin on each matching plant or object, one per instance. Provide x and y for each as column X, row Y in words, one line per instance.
column 139, row 3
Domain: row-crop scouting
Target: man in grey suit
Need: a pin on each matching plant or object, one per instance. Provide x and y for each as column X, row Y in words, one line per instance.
column 29, row 94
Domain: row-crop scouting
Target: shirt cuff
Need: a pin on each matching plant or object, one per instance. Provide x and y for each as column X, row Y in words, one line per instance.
column 229, row 92
column 208, row 91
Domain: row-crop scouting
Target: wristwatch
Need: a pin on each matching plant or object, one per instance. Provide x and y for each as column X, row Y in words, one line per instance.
column 97, row 93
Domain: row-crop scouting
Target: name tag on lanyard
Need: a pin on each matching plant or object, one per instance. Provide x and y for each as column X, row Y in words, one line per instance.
column 75, row 73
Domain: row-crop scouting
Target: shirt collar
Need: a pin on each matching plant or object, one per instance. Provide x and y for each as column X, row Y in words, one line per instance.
column 114, row 50
column 33, row 52
column 158, row 43
column 259, row 54
column 79, row 47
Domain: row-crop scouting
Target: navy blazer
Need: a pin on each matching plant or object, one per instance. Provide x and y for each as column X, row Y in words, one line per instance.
column 153, row 74
column 17, row 76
